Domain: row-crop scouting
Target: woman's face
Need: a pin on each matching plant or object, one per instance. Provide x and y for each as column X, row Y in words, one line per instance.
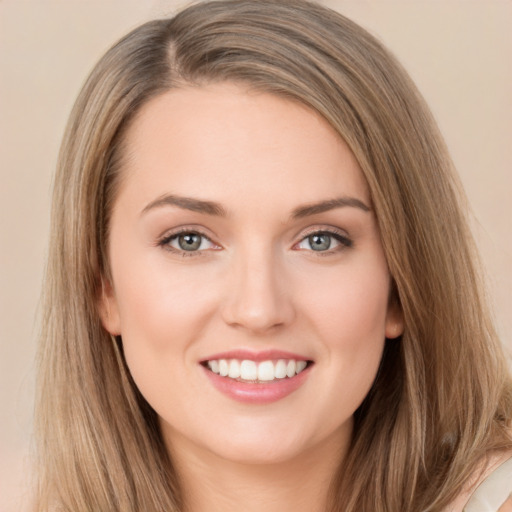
column 243, row 243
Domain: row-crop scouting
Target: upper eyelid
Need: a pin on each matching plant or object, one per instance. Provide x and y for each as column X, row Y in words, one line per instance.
column 171, row 233
column 322, row 229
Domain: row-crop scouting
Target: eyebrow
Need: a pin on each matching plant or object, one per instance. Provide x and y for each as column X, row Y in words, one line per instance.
column 324, row 206
column 187, row 203
column 213, row 208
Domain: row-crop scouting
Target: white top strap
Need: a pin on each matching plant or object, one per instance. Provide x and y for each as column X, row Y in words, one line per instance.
column 493, row 491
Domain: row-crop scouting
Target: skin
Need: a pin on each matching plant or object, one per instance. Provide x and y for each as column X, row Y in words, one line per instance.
column 255, row 284
column 507, row 506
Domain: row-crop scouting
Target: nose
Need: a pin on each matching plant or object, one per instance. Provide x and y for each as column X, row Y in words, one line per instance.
column 258, row 296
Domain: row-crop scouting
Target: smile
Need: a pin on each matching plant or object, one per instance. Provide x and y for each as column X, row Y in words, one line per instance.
column 247, row 370
column 257, row 378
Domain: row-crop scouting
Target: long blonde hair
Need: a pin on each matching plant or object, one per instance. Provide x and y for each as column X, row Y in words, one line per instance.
column 442, row 399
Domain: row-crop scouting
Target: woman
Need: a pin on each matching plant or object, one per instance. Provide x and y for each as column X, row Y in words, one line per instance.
column 262, row 291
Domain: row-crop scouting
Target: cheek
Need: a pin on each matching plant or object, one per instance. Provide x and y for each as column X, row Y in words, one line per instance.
column 349, row 315
column 162, row 316
column 349, row 306
column 161, row 307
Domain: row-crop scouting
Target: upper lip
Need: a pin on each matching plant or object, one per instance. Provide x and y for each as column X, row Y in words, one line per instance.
column 263, row 355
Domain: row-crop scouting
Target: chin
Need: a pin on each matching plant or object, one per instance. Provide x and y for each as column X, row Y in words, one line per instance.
column 253, row 444
column 258, row 453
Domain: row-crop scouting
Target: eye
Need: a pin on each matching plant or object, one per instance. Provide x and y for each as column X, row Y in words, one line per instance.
column 324, row 241
column 187, row 242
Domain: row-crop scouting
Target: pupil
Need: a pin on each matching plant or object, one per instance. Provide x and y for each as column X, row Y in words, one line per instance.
column 320, row 242
column 189, row 241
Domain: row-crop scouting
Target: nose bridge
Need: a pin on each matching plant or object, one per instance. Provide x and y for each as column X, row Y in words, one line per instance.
column 257, row 295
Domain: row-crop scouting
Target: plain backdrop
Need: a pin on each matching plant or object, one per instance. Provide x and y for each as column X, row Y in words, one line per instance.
column 457, row 51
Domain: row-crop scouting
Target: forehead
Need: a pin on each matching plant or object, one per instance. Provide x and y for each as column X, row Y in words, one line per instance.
column 211, row 141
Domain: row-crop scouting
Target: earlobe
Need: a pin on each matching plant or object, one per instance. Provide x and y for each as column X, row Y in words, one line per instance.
column 108, row 310
column 394, row 330
column 394, row 321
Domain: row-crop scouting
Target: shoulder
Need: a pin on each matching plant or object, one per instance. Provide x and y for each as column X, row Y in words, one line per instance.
column 490, row 491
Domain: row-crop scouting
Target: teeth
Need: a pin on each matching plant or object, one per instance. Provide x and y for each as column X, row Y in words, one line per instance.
column 265, row 371
column 234, row 369
column 223, row 368
column 248, row 370
column 280, row 371
column 290, row 368
column 214, row 366
column 300, row 366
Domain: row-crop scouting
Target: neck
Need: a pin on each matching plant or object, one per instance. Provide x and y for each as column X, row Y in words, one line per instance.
column 212, row 484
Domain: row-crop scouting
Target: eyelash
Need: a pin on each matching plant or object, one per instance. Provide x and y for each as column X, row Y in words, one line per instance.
column 340, row 237
column 168, row 238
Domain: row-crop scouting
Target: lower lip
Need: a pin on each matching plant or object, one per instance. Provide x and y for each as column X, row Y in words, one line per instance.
column 257, row 392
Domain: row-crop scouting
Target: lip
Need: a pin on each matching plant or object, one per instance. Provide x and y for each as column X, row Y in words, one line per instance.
column 257, row 392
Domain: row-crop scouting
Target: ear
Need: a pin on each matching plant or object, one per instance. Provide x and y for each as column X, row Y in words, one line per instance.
column 108, row 309
column 394, row 318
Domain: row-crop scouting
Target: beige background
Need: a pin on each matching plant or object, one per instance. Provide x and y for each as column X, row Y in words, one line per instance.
column 458, row 51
